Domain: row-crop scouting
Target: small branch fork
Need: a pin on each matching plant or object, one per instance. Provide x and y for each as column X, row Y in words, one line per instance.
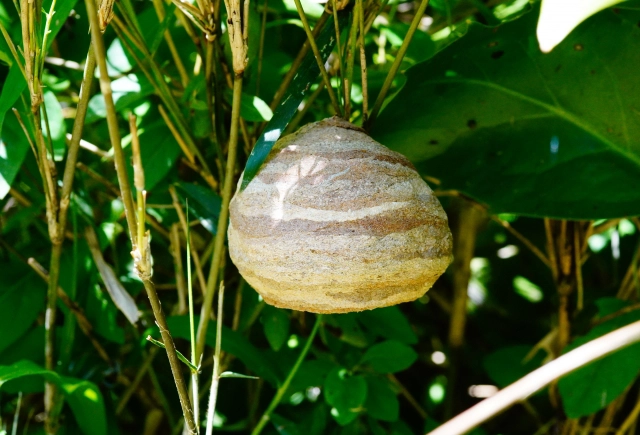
column 136, row 224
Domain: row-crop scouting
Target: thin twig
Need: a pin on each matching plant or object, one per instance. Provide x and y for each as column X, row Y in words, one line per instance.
column 533, row 248
column 112, row 120
column 351, row 56
column 83, row 323
column 286, row 81
column 176, row 253
column 285, row 385
column 213, row 393
column 185, row 229
column 630, row 420
column 540, row 378
column 397, row 62
column 316, row 54
column 577, row 251
column 219, row 250
column 407, row 395
column 363, row 66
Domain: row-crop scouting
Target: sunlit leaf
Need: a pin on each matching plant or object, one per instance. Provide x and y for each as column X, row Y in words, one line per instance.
column 559, row 17
column 83, row 396
column 306, row 76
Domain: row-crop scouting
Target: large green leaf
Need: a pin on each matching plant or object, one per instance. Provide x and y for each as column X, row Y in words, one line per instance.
column 390, row 356
column 509, row 364
column 345, row 393
column 306, row 76
column 389, row 322
column 276, row 326
column 205, row 205
column 13, row 144
column 594, row 386
column 20, row 304
column 382, row 402
column 83, row 396
column 159, row 151
column 559, row 17
column 525, row 132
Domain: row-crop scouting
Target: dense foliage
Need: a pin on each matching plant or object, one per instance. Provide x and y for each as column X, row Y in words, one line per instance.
column 533, row 155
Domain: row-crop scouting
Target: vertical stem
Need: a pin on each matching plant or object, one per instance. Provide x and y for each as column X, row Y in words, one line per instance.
column 284, row 85
column 263, row 29
column 179, row 269
column 351, row 50
column 363, row 66
column 316, row 53
column 192, row 334
column 285, row 385
column 397, row 62
column 469, row 219
column 218, row 250
column 577, row 252
column 213, row 394
column 112, row 121
column 336, row 23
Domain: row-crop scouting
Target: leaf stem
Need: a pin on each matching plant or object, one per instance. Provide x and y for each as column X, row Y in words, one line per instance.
column 285, row 385
column 215, row 382
column 396, row 63
column 316, row 54
column 218, row 249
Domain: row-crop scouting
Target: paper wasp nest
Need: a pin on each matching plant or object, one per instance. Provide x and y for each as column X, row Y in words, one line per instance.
column 335, row 222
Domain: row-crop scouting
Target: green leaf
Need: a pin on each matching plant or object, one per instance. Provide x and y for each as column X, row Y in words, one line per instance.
column 382, row 402
column 508, row 364
column 236, row 375
column 311, row 374
column 591, row 388
column 390, row 356
column 180, row 356
column 159, row 151
column 20, row 304
column 608, row 306
column 346, row 394
column 28, row 346
column 525, row 132
column 57, row 127
column 13, row 143
column 351, row 331
column 83, row 396
column 389, row 323
column 252, row 108
column 11, row 90
column 559, row 17
column 284, row 426
column 306, row 76
column 233, row 343
column 205, row 206
column 276, row 326
column 62, row 11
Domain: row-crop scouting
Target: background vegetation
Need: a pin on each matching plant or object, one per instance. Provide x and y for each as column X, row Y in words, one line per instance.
column 534, row 156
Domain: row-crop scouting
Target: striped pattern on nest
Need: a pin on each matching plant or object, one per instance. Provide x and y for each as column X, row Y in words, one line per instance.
column 335, row 222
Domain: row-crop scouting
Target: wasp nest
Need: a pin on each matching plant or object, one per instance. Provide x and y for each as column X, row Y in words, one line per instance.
column 335, row 222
